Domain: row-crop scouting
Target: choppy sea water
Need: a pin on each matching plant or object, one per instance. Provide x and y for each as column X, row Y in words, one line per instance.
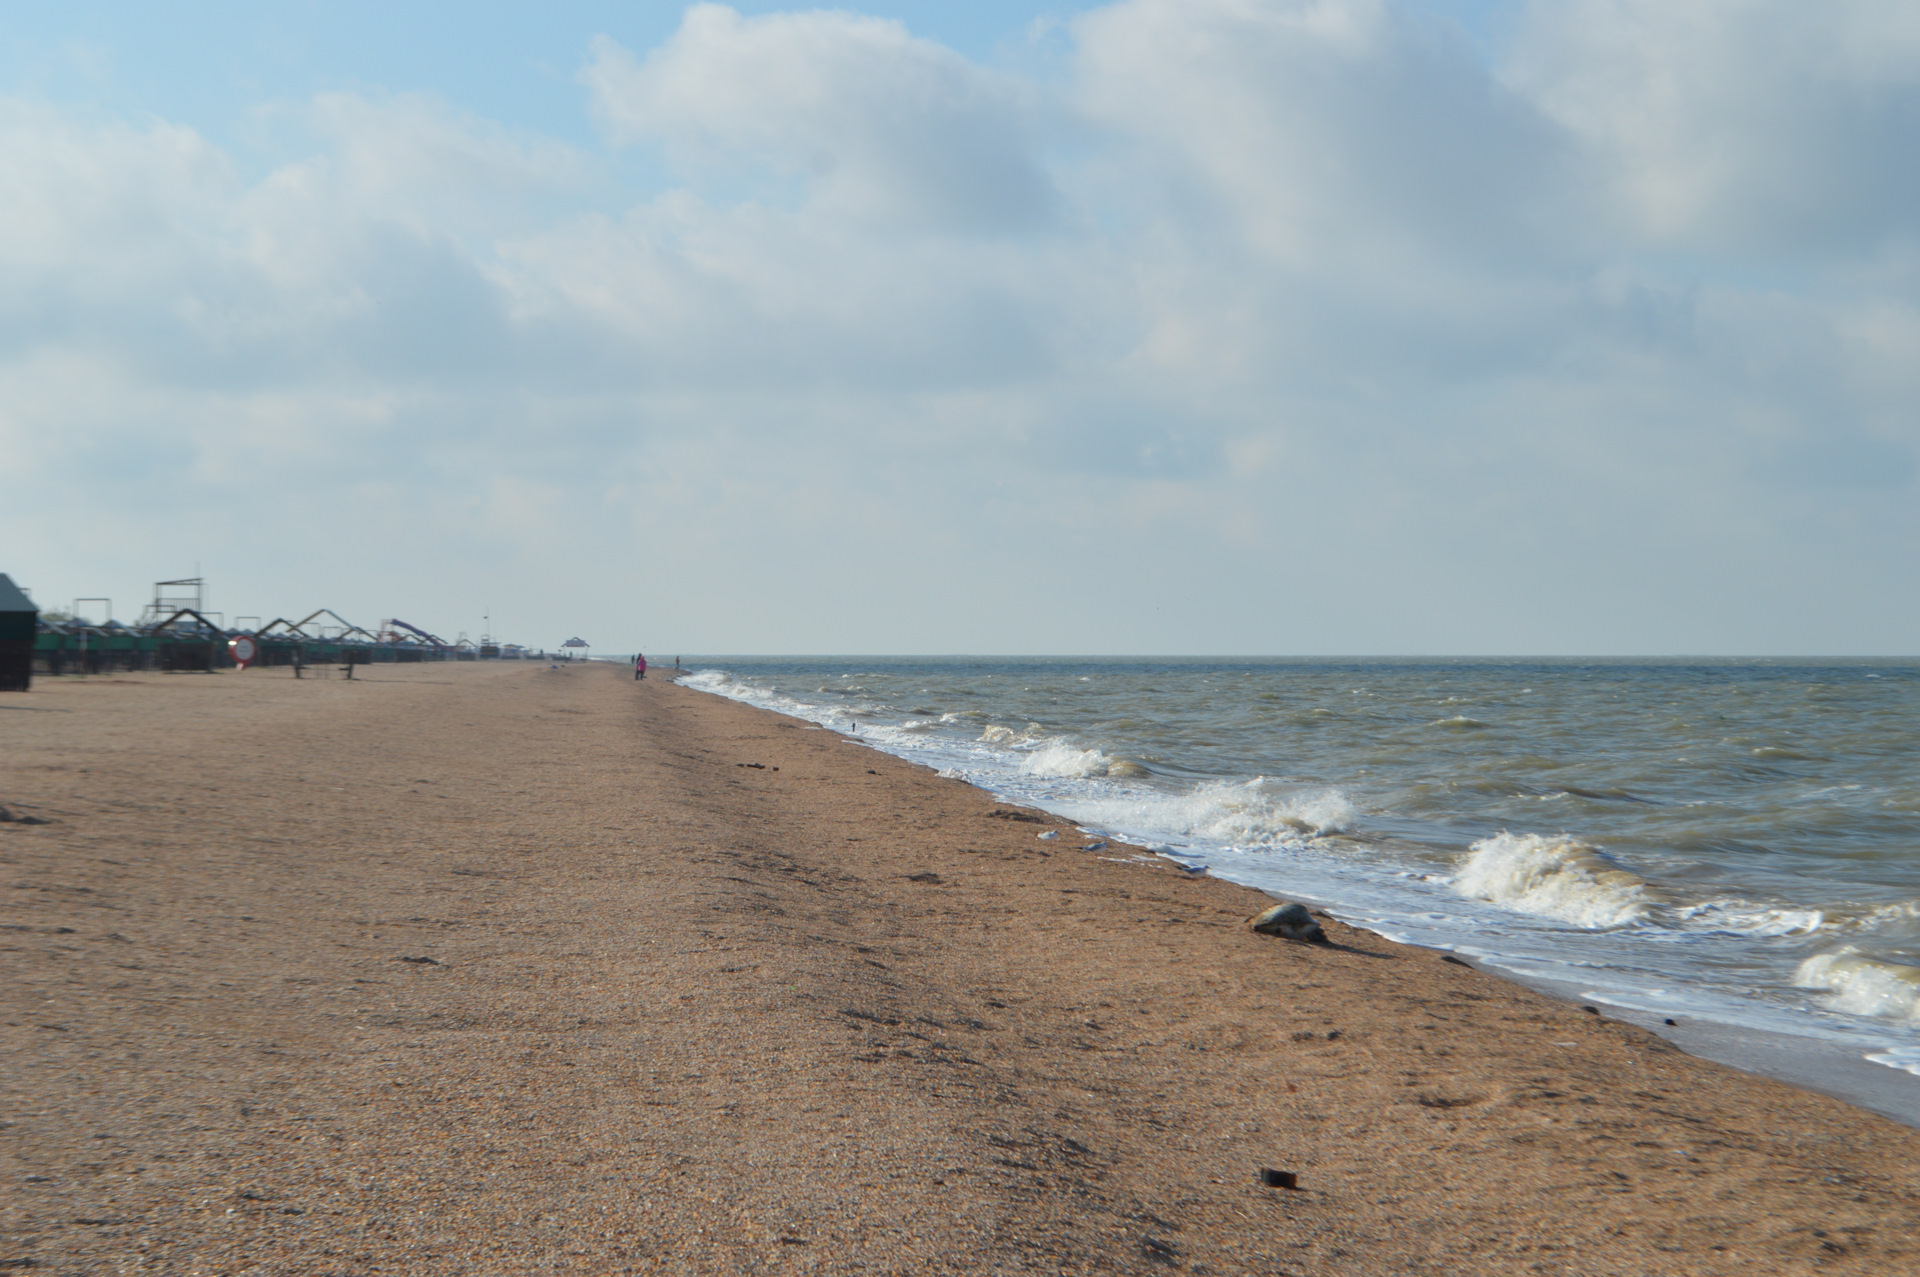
column 1735, row 841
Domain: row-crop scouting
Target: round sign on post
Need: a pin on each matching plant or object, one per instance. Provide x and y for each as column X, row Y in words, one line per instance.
column 245, row 651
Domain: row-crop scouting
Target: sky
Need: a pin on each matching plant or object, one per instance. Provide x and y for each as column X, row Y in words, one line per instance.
column 1155, row 327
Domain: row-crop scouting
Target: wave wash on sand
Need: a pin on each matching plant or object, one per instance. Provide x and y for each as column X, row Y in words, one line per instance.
column 1369, row 790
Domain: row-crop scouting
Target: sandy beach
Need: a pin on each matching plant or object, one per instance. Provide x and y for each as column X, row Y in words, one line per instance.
column 501, row 968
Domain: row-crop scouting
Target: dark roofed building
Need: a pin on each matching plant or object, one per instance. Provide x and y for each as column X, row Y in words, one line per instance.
column 18, row 617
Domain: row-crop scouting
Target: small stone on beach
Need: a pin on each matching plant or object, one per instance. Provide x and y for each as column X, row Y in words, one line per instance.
column 1279, row 1179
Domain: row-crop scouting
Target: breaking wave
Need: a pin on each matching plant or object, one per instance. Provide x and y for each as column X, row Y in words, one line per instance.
column 1055, row 757
column 1246, row 814
column 1558, row 877
column 1860, row 985
column 1059, row 758
column 1752, row 920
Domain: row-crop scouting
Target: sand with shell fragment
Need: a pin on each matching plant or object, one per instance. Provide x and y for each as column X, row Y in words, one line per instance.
column 500, row 968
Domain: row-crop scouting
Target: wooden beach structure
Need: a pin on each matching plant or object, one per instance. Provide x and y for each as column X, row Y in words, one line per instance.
column 176, row 633
column 18, row 616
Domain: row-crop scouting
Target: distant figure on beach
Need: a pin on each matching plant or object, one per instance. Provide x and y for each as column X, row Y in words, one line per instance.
column 639, row 666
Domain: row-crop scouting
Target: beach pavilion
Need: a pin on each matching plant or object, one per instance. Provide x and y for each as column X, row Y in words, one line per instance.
column 18, row 619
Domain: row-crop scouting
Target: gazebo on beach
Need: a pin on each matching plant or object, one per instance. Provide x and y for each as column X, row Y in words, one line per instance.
column 576, row 643
column 18, row 620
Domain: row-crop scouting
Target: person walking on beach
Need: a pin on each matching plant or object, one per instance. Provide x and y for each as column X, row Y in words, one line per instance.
column 639, row 666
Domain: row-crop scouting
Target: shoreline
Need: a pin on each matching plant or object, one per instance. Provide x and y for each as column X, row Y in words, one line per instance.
column 482, row 967
column 1820, row 1059
column 1819, row 1065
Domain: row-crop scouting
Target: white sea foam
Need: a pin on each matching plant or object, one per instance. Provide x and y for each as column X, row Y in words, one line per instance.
column 1899, row 916
column 1751, row 919
column 1860, row 985
column 1906, row 1058
column 1557, row 877
column 720, row 683
column 1064, row 759
column 1244, row 814
column 1327, row 812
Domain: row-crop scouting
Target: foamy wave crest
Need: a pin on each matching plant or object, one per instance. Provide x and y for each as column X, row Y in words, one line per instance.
column 1898, row 918
column 1859, row 985
column 1238, row 813
column 1007, row 738
column 1906, row 1058
column 721, row 683
column 1751, row 919
column 1560, row 878
column 1329, row 812
column 1059, row 758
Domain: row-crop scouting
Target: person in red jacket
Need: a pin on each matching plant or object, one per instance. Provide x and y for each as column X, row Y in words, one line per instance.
column 639, row 666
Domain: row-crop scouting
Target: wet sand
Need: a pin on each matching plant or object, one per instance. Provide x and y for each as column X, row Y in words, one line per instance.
column 497, row 968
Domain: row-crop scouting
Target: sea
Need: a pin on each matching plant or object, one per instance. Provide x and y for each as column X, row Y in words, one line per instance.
column 1724, row 850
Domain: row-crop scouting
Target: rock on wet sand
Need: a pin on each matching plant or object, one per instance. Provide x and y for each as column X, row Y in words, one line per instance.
column 1290, row 920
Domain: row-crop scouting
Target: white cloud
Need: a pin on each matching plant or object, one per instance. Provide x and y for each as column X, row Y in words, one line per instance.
column 413, row 158
column 1758, row 126
column 1326, row 134
column 875, row 124
column 1267, row 326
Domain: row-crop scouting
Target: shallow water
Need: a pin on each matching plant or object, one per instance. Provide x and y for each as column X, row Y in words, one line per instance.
column 1736, row 841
